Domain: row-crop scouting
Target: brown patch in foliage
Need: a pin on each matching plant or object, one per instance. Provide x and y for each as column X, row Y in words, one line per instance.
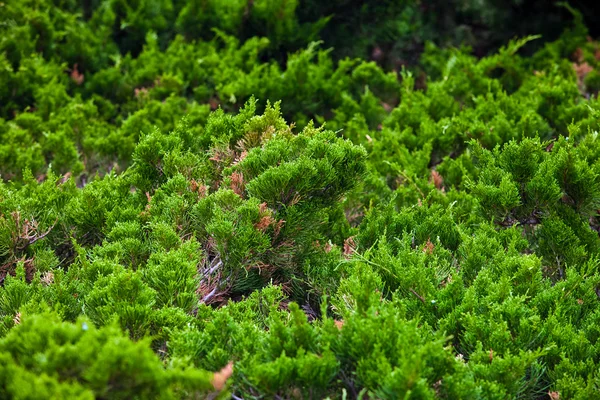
column 377, row 54
column 64, row 178
column 296, row 393
column 47, row 278
column 286, row 288
column 262, row 207
column 437, row 179
column 284, row 305
column 140, row 93
column 10, row 269
column 582, row 70
column 219, row 155
column 237, row 183
column 577, row 55
column 437, row 386
column 428, row 247
column 25, row 233
column 277, row 227
column 146, row 211
column 446, row 281
column 264, row 223
column 349, row 246
column 200, row 188
column 240, row 157
column 77, row 76
column 267, row 220
column 220, row 378
column 421, row 81
column 214, row 103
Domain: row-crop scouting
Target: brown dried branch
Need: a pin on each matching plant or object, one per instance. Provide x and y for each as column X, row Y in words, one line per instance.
column 418, row 295
column 220, row 378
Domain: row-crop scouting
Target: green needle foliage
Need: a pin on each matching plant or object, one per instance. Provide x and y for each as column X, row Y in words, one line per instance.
column 203, row 199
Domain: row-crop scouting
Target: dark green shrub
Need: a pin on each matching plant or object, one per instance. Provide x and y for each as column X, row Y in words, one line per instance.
column 203, row 199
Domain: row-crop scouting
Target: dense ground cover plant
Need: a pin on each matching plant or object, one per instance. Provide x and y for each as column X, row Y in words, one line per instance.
column 212, row 204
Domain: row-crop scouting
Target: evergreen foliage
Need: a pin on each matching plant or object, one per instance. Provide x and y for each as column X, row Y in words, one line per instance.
column 216, row 204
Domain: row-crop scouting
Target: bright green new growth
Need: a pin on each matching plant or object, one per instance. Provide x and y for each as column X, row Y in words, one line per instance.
column 190, row 213
column 46, row 358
